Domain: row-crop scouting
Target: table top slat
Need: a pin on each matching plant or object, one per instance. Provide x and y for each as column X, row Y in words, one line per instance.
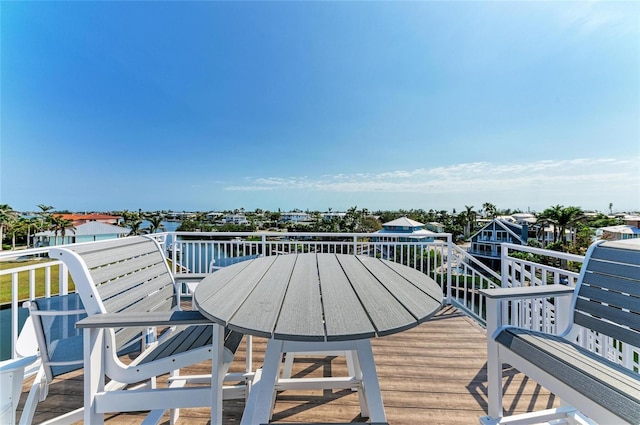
column 408, row 287
column 260, row 311
column 301, row 312
column 345, row 317
column 232, row 284
column 387, row 314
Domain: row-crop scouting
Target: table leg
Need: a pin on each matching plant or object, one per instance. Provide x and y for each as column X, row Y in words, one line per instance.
column 260, row 403
column 217, row 375
column 370, row 381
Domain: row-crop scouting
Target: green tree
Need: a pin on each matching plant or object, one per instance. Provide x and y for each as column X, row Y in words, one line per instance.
column 563, row 219
column 8, row 218
column 60, row 225
column 155, row 222
column 489, row 210
column 45, row 216
column 470, row 220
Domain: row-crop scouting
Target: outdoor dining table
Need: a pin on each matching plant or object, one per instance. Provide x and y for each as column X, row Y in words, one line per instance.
column 318, row 303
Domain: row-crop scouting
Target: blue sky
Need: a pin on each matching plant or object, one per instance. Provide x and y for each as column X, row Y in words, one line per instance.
column 317, row 105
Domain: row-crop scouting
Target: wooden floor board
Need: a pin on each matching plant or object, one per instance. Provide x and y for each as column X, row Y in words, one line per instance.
column 432, row 374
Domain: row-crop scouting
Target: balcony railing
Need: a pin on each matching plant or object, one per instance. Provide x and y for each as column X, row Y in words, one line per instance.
column 459, row 274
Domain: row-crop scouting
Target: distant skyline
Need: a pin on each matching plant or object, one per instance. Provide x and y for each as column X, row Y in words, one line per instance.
column 205, row 106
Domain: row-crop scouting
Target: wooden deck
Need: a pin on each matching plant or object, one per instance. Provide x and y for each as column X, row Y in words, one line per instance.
column 432, row 374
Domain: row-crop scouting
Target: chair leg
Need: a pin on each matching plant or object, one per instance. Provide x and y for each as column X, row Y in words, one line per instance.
column 35, row 395
column 93, row 374
column 494, row 380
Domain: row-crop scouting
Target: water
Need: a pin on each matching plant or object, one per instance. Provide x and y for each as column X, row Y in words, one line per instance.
column 5, row 330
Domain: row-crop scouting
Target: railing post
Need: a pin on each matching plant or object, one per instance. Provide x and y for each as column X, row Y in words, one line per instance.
column 504, row 274
column 263, row 239
column 449, row 255
column 355, row 244
column 14, row 314
column 504, row 267
column 63, row 279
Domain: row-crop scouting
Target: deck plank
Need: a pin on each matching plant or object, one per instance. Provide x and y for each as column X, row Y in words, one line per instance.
column 434, row 373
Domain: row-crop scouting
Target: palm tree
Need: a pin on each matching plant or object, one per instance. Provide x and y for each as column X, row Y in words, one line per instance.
column 489, row 209
column 60, row 224
column 562, row 218
column 470, row 219
column 7, row 218
column 568, row 219
column 155, row 222
column 30, row 223
column 45, row 215
column 550, row 217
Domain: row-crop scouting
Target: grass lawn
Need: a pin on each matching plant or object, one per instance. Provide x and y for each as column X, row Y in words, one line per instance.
column 23, row 279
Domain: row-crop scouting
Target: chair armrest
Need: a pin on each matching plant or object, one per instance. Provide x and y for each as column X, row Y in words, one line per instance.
column 527, row 292
column 163, row 318
column 189, row 277
column 496, row 296
column 11, row 365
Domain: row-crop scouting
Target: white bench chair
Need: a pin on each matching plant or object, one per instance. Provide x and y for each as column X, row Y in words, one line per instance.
column 592, row 388
column 128, row 292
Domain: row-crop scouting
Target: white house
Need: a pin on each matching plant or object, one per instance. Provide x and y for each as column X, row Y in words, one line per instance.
column 414, row 231
column 87, row 232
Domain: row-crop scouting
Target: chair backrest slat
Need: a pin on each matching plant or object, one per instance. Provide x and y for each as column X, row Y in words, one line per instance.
column 619, row 252
column 163, row 300
column 623, row 334
column 613, row 283
column 608, row 297
column 152, row 276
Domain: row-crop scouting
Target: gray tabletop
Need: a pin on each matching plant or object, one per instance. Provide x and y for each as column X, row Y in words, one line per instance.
column 318, row 297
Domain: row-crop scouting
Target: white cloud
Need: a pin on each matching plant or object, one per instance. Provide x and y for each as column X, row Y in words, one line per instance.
column 579, row 174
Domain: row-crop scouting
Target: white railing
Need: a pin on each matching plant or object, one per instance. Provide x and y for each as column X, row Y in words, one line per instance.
column 459, row 274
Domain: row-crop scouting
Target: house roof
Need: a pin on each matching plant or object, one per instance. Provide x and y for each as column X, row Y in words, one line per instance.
column 622, row 229
column 91, row 228
column 403, row 222
column 421, row 232
column 512, row 228
column 88, row 217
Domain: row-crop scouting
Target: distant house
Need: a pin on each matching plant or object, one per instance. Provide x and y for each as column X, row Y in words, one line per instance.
column 87, row 232
column 414, row 231
column 294, row 217
column 333, row 215
column 235, row 219
column 78, row 219
column 620, row 232
column 485, row 244
column 632, row 220
column 434, row 226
